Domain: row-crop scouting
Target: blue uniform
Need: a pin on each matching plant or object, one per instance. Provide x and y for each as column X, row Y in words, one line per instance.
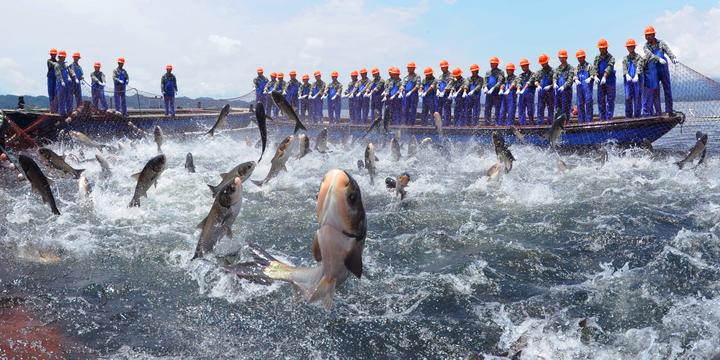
column 120, row 79
column 584, row 92
column 563, row 79
column 63, row 98
column 605, row 66
column 168, row 86
column 51, row 84
column 444, row 104
column 279, row 86
column 363, row 102
column 377, row 88
column 650, row 89
column 632, row 68
column 259, row 85
column 76, row 85
column 526, row 101
column 333, row 91
column 316, row 104
column 546, row 95
column 653, row 53
column 429, row 99
column 392, row 100
column 493, row 80
column 473, row 93
column 352, row 101
column 291, row 92
column 269, row 103
column 457, row 88
column 98, row 90
column 509, row 101
column 304, row 93
column 410, row 98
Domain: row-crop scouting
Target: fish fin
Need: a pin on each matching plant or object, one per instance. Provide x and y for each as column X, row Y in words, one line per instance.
column 223, row 175
column 376, row 158
column 78, row 172
column 154, row 184
column 229, row 232
column 284, row 168
column 135, row 176
column 324, row 291
column 353, row 261
column 263, row 269
column 680, row 164
column 135, row 202
column 214, row 189
column 702, row 157
column 316, row 248
column 202, row 223
column 50, row 181
column 258, row 182
column 390, row 183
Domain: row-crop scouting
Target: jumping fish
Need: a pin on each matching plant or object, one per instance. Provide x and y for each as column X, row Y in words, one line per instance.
column 84, row 139
column 243, row 171
column 493, row 171
column 262, row 126
column 58, row 162
column 697, row 150
column 395, row 149
column 398, row 185
column 503, row 152
column 321, row 141
column 147, row 177
column 553, row 135
column 219, row 221
column 38, row 181
column 158, row 135
column 519, row 137
column 103, row 165
column 304, row 141
column 277, row 164
column 412, row 146
column 189, row 163
column 222, row 119
column 370, row 161
column 285, row 107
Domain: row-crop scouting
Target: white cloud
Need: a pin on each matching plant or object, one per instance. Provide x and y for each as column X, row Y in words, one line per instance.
column 14, row 80
column 225, row 44
column 693, row 36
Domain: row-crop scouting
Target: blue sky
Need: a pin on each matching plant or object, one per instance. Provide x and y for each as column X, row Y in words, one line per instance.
column 216, row 45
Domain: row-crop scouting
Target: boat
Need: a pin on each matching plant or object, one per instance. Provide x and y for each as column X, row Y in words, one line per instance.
column 28, row 128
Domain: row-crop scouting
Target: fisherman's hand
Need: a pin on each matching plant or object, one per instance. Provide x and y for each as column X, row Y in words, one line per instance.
column 547, row 87
column 464, row 95
column 490, row 91
column 674, row 61
column 588, row 80
column 635, row 78
column 576, row 82
column 603, row 80
column 662, row 61
column 522, row 91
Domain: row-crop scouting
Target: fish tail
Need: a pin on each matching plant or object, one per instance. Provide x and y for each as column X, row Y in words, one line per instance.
column 55, row 209
column 211, row 132
column 325, row 291
column 258, row 182
column 263, row 269
column 680, row 164
column 214, row 189
column 135, row 202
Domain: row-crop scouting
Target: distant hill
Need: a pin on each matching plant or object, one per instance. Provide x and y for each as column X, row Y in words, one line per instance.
column 142, row 102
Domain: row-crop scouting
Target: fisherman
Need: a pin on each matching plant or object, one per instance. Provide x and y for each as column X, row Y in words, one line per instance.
column 410, row 95
column 526, row 102
column 656, row 51
column 332, row 93
column 604, row 74
column 546, row 95
column 304, row 93
column 472, row 95
column 428, row 96
column 350, row 95
column 62, row 84
column 291, row 90
column 650, row 102
column 584, row 83
column 97, row 79
column 374, row 93
column 51, row 83
column 390, row 95
column 456, row 90
column 269, row 87
column 168, row 86
column 494, row 80
column 632, row 70
column 76, row 73
column 279, row 86
column 362, row 100
column 562, row 82
column 316, row 104
column 120, row 79
column 259, row 84
column 509, row 96
column 444, row 105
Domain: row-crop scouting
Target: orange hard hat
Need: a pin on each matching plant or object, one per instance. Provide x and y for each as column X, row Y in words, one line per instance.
column 375, row 71
column 444, row 64
column 293, row 72
column 524, row 62
column 456, row 72
column 510, row 66
column 363, row 71
column 649, row 30
column 260, row 70
column 630, row 42
column 354, row 73
column 427, row 71
column 474, row 67
column 53, row 51
column 395, row 70
column 121, row 60
column 168, row 67
column 306, row 77
column 602, row 44
column 316, row 73
column 494, row 60
column 97, row 64
column 62, row 53
column 76, row 55
column 280, row 75
column 334, row 74
column 543, row 59
column 562, row 53
column 273, row 74
column 411, row 65
column 580, row 54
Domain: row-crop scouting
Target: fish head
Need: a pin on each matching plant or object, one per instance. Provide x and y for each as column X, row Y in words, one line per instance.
column 188, row 157
column 704, row 139
column 245, row 169
column 340, row 205
column 370, row 153
column 25, row 162
column 560, row 121
column 45, row 153
column 231, row 194
column 158, row 163
column 404, row 179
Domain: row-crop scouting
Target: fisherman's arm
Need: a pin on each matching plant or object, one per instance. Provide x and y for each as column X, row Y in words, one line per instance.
column 664, row 46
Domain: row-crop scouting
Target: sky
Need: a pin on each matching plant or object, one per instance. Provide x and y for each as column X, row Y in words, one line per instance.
column 216, row 46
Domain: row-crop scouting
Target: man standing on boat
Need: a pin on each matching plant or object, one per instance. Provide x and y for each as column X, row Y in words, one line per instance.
column 584, row 82
column 604, row 74
column 279, row 86
column 456, row 92
column 304, row 96
column 632, row 70
column 562, row 82
column 332, row 93
column 62, row 85
column 291, row 90
column 51, row 80
column 392, row 91
column 656, row 51
column 374, row 93
column 410, row 95
column 316, row 98
column 494, row 79
column 472, row 96
column 120, row 80
column 526, row 86
column 362, row 100
column 349, row 94
column 428, row 96
column 77, row 76
column 269, row 87
column 444, row 105
column 546, row 95
column 508, row 95
column 259, row 84
column 168, row 86
column 97, row 79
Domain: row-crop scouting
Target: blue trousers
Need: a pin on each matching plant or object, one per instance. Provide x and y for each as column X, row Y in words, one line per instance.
column 492, row 101
column 546, row 99
column 260, row 98
column 269, row 104
column 633, row 99
column 333, row 109
column 508, row 108
column 664, row 77
column 395, row 110
column 77, row 93
column 292, row 99
column 352, row 111
column 51, row 93
column 429, row 106
column 460, row 111
column 98, row 98
column 606, row 101
column 444, row 107
column 364, row 109
column 472, row 109
column 316, row 109
column 584, row 103
column 563, row 101
column 304, row 110
column 410, row 105
column 650, row 101
column 120, row 104
column 62, row 94
column 526, row 106
column 169, row 104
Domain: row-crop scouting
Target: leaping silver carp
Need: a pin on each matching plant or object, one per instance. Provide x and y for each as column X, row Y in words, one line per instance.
column 221, row 120
column 321, row 145
column 189, row 163
column 277, row 164
column 553, row 135
column 698, row 150
column 38, row 181
column 219, row 221
column 412, row 146
column 243, row 171
column 158, row 135
column 58, row 162
column 503, row 152
column 147, row 177
column 84, row 139
column 262, row 126
column 370, row 162
column 285, row 107
column 398, row 185
column 395, row 149
column 304, row 141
